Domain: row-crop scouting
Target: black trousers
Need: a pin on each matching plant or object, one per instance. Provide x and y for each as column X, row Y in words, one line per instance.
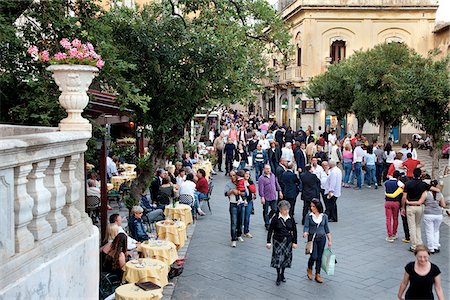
column 324, row 198
column 331, row 208
column 228, row 164
column 219, row 159
column 306, row 208
column 292, row 203
column 405, row 227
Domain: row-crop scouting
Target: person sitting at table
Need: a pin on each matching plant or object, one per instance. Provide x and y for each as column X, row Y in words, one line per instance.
column 113, row 256
column 202, row 189
column 156, row 183
column 171, row 173
column 137, row 226
column 186, row 160
column 112, row 230
column 153, row 212
column 178, row 167
column 188, row 188
column 94, row 176
column 92, row 189
column 116, row 219
column 111, row 167
column 181, row 177
column 166, row 192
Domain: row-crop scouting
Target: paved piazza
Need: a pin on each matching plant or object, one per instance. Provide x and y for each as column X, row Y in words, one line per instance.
column 368, row 267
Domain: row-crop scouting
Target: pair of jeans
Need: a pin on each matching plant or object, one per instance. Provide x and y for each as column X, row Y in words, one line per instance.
column 316, row 255
column 197, row 198
column 259, row 166
column 347, row 170
column 357, row 171
column 241, row 166
column 414, row 216
column 246, row 213
column 272, row 204
column 236, row 221
column 331, row 208
column 379, row 172
column 370, row 172
column 432, row 224
column 391, row 209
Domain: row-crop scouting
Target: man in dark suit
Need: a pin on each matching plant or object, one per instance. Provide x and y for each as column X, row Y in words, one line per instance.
column 300, row 156
column 289, row 183
column 281, row 168
column 310, row 189
column 279, row 137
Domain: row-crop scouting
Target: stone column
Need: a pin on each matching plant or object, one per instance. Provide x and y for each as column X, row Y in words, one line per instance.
column 58, row 190
column 73, row 185
column 23, row 204
column 39, row 226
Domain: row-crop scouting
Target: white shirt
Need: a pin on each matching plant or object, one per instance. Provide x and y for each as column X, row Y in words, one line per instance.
column 283, row 217
column 318, row 219
column 111, row 168
column 211, row 136
column 334, row 182
column 180, row 180
column 334, row 153
column 93, row 191
column 332, row 138
column 287, row 154
column 187, row 188
column 131, row 243
column 322, row 175
column 389, row 157
column 265, row 144
column 358, row 154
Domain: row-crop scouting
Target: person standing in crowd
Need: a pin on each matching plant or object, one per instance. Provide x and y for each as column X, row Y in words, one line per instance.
column 264, row 142
column 242, row 136
column 379, row 163
column 393, row 196
column 336, row 153
column 300, row 156
column 268, row 189
column 347, row 156
column 310, row 189
column 219, row 145
column 241, row 156
column 369, row 160
column 270, row 136
column 248, row 208
column 289, row 183
column 235, row 209
column 230, row 153
column 323, row 174
column 279, row 137
column 358, row 155
column 321, row 155
column 404, row 151
column 310, row 149
column 316, row 229
column 282, row 233
column 289, row 136
column 413, row 198
column 432, row 217
column 281, row 168
column 233, row 134
column 410, row 164
column 259, row 160
column 412, row 150
column 274, row 155
column 421, row 275
column 287, row 153
column 389, row 156
column 333, row 191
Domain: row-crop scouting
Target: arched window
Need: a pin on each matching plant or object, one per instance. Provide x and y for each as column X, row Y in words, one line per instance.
column 299, row 56
column 394, row 39
column 337, row 51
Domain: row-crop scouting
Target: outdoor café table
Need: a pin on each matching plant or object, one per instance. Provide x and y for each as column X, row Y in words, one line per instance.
column 118, row 180
column 146, row 269
column 205, row 165
column 162, row 250
column 181, row 212
column 173, row 231
column 128, row 167
column 131, row 291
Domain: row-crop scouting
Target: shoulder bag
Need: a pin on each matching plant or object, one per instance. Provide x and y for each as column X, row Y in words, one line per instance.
column 310, row 244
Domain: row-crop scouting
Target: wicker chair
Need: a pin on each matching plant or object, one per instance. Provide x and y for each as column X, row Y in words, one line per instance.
column 93, row 207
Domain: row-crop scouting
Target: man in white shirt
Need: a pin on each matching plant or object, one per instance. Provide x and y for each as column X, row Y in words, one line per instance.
column 322, row 172
column 333, row 191
column 111, row 167
column 358, row 155
column 92, row 189
column 117, row 219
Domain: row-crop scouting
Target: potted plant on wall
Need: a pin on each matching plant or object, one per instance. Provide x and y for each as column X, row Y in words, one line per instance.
column 73, row 70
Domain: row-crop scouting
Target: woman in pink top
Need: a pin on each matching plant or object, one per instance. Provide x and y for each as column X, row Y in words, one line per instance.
column 233, row 134
column 347, row 157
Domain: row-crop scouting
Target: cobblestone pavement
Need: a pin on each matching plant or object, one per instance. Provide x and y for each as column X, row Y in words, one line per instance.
column 368, row 267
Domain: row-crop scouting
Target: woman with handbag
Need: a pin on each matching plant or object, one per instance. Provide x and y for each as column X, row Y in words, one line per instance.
column 317, row 232
column 283, row 233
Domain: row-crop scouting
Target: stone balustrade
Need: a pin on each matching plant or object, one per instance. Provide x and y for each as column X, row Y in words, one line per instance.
column 41, row 197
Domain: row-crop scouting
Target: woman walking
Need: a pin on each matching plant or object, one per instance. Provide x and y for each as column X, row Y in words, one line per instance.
column 248, row 208
column 283, row 233
column 316, row 230
column 389, row 155
column 241, row 156
column 432, row 217
column 347, row 156
column 369, row 160
column 421, row 275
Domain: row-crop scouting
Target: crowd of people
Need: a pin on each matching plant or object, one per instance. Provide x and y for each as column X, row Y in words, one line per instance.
column 288, row 163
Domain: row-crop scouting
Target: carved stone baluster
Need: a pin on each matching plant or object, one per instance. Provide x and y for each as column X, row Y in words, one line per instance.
column 39, row 226
column 23, row 204
column 58, row 190
column 73, row 186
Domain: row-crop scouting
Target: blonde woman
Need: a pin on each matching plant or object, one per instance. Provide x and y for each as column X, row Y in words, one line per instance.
column 111, row 232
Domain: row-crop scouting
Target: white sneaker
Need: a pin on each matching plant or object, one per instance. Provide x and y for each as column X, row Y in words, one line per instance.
column 394, row 237
column 240, row 239
column 389, row 239
column 233, row 244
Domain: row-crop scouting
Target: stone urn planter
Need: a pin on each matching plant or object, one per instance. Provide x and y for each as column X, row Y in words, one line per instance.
column 73, row 82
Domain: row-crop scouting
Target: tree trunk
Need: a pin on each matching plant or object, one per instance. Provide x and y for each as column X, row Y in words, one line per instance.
column 360, row 126
column 338, row 129
column 435, row 154
column 381, row 132
column 179, row 149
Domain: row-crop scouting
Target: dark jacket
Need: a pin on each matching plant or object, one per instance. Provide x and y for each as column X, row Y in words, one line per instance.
column 311, row 186
column 252, row 145
column 322, row 157
column 311, row 227
column 264, row 156
column 289, row 183
column 241, row 156
column 279, row 137
column 229, row 151
column 289, row 136
column 279, row 171
column 154, row 188
column 274, row 156
column 280, row 230
column 299, row 158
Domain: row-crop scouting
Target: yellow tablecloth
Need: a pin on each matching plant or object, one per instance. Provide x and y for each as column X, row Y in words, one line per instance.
column 181, row 212
column 154, row 271
column 162, row 250
column 118, row 180
column 132, row 292
column 109, row 186
column 205, row 165
column 128, row 167
column 175, row 233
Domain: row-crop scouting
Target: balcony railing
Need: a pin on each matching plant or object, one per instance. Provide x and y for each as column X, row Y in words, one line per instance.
column 41, row 195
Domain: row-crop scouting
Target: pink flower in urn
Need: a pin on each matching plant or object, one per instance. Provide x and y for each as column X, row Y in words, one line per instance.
column 44, row 55
column 80, row 55
column 60, row 56
column 73, row 52
column 76, row 43
column 93, row 54
column 33, row 50
column 89, row 46
column 100, row 64
column 65, row 43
